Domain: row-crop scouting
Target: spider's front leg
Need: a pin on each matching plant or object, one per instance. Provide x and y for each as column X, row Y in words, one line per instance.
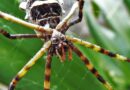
column 25, row 69
column 65, row 22
column 80, row 14
column 91, row 68
column 20, row 36
column 24, row 23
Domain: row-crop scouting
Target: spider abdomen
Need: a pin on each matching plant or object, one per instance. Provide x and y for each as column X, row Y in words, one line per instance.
column 45, row 13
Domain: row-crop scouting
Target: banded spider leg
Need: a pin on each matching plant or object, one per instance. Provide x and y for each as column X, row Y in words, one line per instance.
column 27, row 67
column 47, row 72
column 65, row 22
column 91, row 67
column 98, row 49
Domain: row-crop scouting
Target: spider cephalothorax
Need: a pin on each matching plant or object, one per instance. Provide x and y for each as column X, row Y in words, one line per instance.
column 60, row 45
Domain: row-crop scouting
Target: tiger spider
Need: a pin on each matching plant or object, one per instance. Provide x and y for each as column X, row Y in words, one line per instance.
column 44, row 18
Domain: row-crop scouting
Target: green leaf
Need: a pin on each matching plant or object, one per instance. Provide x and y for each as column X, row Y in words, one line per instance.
column 70, row 75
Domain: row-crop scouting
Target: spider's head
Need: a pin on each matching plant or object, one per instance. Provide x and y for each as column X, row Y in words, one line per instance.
column 43, row 12
column 59, row 45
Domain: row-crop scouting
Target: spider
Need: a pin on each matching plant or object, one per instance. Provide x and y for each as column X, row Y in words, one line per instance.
column 44, row 18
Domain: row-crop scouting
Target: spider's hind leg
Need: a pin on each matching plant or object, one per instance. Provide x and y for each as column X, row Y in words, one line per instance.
column 47, row 72
column 91, row 68
column 80, row 14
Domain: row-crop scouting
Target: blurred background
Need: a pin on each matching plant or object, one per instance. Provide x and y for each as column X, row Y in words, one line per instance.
column 105, row 23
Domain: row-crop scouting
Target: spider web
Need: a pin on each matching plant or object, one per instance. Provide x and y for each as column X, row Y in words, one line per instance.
column 65, row 76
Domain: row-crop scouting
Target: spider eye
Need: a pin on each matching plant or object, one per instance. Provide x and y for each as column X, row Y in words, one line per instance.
column 55, row 40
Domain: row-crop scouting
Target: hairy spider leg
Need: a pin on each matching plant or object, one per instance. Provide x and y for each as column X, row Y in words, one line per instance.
column 20, row 36
column 24, row 23
column 91, row 68
column 98, row 49
column 27, row 67
column 47, row 72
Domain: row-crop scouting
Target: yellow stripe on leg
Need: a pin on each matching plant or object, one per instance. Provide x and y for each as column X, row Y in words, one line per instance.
column 121, row 57
column 46, row 85
column 108, row 86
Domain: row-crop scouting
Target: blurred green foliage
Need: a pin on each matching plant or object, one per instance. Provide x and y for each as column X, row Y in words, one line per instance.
column 109, row 27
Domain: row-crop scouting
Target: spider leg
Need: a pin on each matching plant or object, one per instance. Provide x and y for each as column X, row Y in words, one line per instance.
column 64, row 22
column 57, row 52
column 27, row 67
column 63, row 55
column 80, row 16
column 69, row 53
column 20, row 36
column 24, row 23
column 47, row 72
column 68, row 17
column 98, row 49
column 91, row 68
